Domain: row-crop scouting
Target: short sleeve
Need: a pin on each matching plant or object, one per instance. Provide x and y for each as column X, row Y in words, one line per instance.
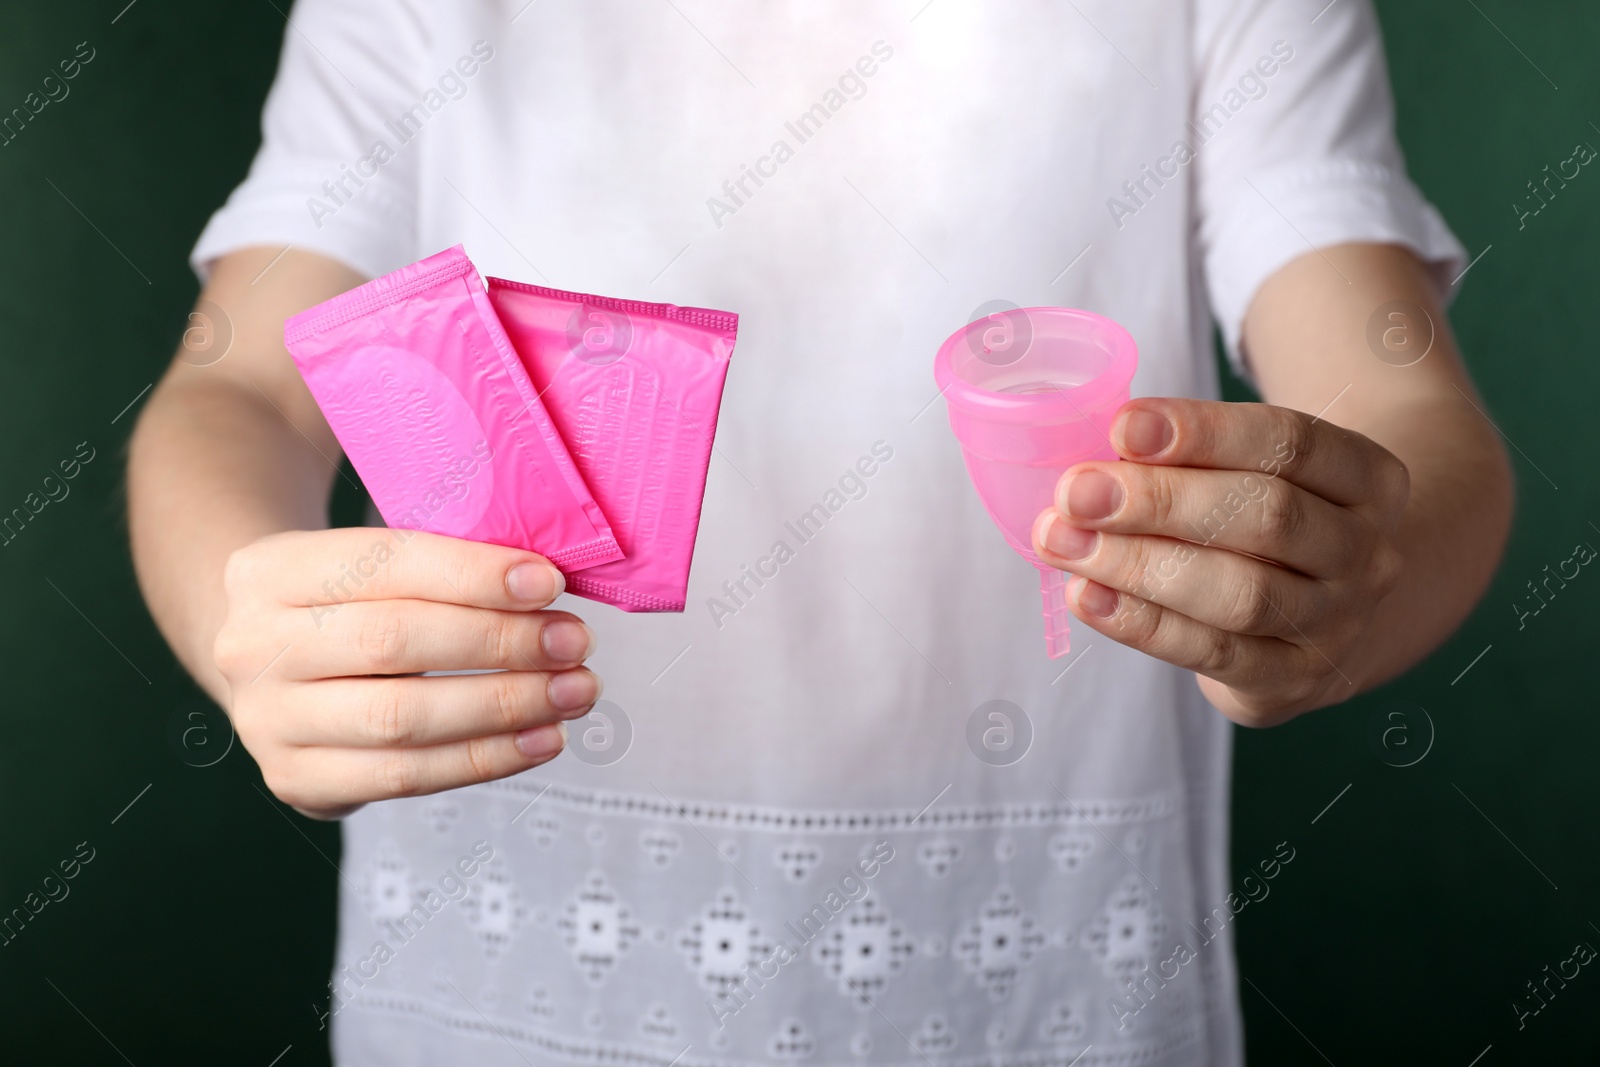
column 333, row 173
column 1295, row 122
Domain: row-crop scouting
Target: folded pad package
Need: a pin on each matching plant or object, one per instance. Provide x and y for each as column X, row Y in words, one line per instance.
column 634, row 389
column 434, row 408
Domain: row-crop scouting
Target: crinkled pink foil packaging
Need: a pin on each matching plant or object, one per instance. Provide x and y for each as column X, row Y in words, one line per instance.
column 435, row 410
column 634, row 389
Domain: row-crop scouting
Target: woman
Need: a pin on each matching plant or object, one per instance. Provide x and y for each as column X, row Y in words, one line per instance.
column 773, row 839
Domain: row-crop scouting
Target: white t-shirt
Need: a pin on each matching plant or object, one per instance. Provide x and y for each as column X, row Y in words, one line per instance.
column 799, row 854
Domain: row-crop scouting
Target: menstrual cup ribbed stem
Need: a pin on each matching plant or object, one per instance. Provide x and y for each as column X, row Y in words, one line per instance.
column 1053, row 589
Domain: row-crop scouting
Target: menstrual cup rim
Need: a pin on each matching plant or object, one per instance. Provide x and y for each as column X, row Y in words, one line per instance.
column 1068, row 404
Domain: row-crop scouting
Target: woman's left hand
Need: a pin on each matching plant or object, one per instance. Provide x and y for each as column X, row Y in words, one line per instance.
column 1250, row 544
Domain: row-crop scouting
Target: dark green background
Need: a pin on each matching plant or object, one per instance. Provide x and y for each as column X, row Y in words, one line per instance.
column 202, row 930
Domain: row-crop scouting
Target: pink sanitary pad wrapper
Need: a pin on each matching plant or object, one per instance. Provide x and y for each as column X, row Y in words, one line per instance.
column 432, row 405
column 634, row 389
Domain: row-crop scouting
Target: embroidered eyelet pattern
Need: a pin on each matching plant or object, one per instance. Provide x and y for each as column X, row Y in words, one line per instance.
column 495, row 909
column 1127, row 933
column 707, row 815
column 797, row 860
column 863, row 951
column 598, row 927
column 723, row 944
column 1002, row 942
column 792, row 1042
column 658, row 1023
column 721, row 935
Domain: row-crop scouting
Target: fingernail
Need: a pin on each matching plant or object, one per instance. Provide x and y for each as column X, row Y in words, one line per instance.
column 1069, row 542
column 1097, row 600
column 1146, row 433
column 535, row 582
column 1093, row 495
column 572, row 690
column 566, row 641
column 542, row 741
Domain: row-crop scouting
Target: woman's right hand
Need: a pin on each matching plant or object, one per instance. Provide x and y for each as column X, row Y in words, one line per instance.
column 327, row 633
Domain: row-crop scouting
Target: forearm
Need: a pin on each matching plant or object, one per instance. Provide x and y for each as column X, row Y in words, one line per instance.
column 1452, row 535
column 1311, row 346
column 213, row 466
column 230, row 447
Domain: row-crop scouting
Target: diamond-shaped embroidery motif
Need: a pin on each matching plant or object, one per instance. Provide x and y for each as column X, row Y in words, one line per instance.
column 723, row 943
column 441, row 812
column 1061, row 1024
column 933, row 1036
column 539, row 1004
column 999, row 944
column 862, row 951
column 598, row 928
column 660, row 845
column 792, row 1041
column 1125, row 935
column 543, row 828
column 494, row 909
column 1070, row 848
column 387, row 885
column 797, row 860
column 938, row 856
column 658, row 1023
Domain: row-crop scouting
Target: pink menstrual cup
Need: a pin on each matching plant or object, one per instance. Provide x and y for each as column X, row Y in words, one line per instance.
column 1031, row 392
